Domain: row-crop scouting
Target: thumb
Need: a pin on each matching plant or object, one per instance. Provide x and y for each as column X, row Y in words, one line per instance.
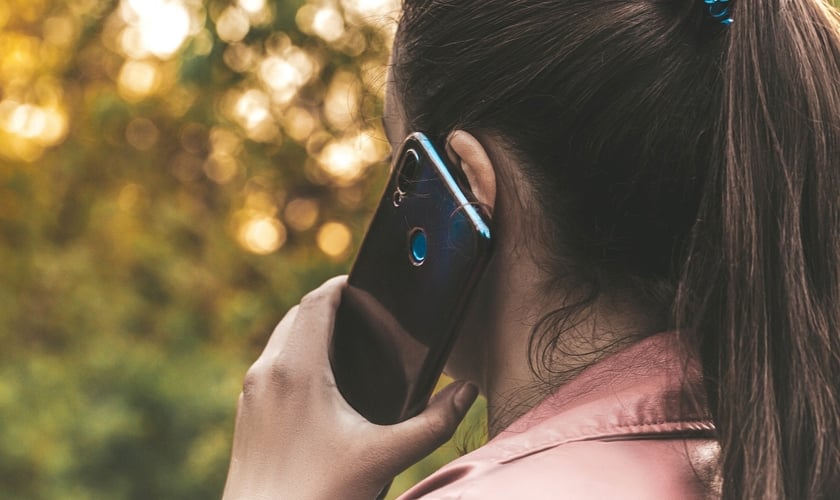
column 422, row 434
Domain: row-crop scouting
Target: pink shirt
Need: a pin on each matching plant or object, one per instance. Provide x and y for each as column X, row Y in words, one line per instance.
column 620, row 429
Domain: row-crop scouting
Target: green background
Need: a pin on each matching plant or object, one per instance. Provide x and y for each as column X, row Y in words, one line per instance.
column 174, row 175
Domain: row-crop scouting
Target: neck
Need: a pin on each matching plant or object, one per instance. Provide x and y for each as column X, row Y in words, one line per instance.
column 513, row 310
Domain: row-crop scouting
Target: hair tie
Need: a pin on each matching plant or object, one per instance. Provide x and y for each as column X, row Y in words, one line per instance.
column 719, row 10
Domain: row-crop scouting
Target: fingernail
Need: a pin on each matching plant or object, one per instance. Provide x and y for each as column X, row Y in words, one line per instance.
column 465, row 396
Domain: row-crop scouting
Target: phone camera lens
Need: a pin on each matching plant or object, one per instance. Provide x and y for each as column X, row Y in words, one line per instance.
column 417, row 246
column 398, row 197
column 409, row 170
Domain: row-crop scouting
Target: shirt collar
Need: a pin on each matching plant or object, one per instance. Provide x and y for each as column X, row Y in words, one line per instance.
column 644, row 390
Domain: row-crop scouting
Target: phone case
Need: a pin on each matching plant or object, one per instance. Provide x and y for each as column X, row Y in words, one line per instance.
column 398, row 317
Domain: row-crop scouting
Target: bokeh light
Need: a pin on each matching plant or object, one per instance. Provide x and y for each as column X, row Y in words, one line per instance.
column 155, row 27
column 224, row 141
column 26, row 121
column 252, row 110
column 221, row 167
column 30, row 128
column 252, row 6
column 346, row 160
column 340, row 160
column 138, row 79
column 328, row 23
column 299, row 123
column 341, row 103
column 233, row 24
column 301, row 214
column 284, row 74
column 240, row 57
column 20, row 55
column 142, row 134
column 334, row 239
column 262, row 235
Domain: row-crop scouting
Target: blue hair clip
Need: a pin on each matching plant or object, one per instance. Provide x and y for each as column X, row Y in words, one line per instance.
column 719, row 10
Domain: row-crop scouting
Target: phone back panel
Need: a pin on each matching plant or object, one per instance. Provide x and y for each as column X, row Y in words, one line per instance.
column 397, row 319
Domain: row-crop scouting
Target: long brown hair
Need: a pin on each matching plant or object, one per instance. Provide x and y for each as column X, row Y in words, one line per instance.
column 762, row 282
column 692, row 166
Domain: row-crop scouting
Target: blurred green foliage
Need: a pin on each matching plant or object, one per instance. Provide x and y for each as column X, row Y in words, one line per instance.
column 174, row 175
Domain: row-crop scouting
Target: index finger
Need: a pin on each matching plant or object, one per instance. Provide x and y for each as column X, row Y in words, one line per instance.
column 313, row 324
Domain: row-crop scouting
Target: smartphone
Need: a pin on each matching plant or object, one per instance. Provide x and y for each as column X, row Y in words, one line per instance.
column 423, row 253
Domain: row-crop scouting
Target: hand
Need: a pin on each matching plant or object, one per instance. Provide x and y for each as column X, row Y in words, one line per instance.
column 297, row 438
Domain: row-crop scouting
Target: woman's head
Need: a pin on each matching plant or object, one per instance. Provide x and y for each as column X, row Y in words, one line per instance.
column 686, row 165
column 607, row 113
column 609, row 106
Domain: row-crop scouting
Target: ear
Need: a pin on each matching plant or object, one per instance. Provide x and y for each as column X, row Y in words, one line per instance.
column 464, row 149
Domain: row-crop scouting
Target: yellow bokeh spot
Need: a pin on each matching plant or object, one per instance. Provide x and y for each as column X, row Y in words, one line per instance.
column 301, row 214
column 233, row 24
column 131, row 43
column 138, row 79
column 328, row 24
column 299, row 123
column 281, row 77
column 265, row 131
column 43, row 125
column 142, row 133
column 340, row 161
column 26, row 121
column 252, row 109
column 239, row 57
column 221, row 168
column 224, row 141
column 157, row 27
column 346, row 160
column 55, row 129
column 252, row 6
column 341, row 103
column 262, row 234
column 19, row 56
column 285, row 74
column 334, row 239
column 371, row 145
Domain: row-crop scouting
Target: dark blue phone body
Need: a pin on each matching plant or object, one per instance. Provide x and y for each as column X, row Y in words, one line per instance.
column 423, row 254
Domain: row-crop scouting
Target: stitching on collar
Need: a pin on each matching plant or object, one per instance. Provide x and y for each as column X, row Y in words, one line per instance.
column 702, row 428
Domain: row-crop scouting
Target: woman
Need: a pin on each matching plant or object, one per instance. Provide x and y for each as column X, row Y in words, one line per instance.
column 652, row 166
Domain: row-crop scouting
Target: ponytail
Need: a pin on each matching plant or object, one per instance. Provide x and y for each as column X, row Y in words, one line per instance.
column 762, row 279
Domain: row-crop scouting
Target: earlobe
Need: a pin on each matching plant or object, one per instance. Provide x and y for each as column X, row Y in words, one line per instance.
column 465, row 150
